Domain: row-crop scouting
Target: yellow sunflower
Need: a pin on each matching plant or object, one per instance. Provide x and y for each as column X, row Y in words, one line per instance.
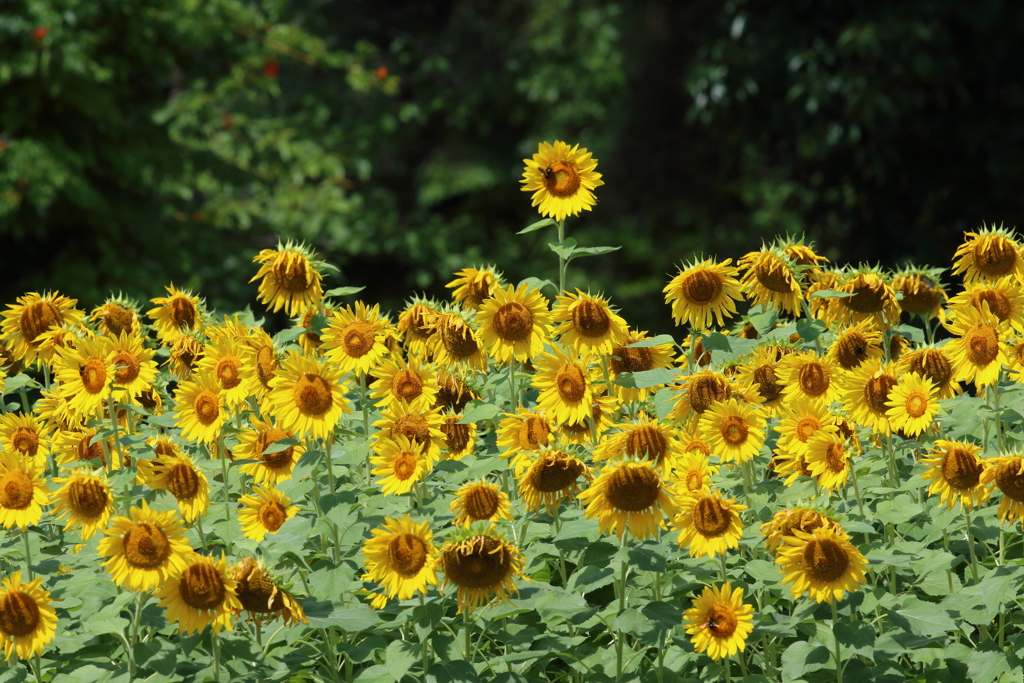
column 453, row 393
column 603, row 413
column 855, row 344
column 784, row 522
column 459, row 439
column 566, row 392
column 865, row 391
column 562, row 180
column 177, row 313
column 265, row 512
column 719, row 622
column 629, row 494
column 310, row 342
column 144, row 551
column 913, row 404
column 482, row 565
column 184, row 356
column 690, row 475
column 401, row 559
column 648, row 439
column 291, row 278
column 708, row 524
column 200, row 408
column 307, row 396
column 734, row 430
column 703, row 292
column 23, row 434
column 354, row 339
column 770, row 280
column 400, row 380
column 549, row 477
column 272, row 467
column 822, row 563
column 260, row 364
column 480, row 501
column 588, row 324
column 1005, row 299
column 763, row 372
column 828, row 459
column 873, row 299
column 134, row 367
column 33, row 315
column 85, row 499
column 421, row 426
column 27, row 618
column 400, row 462
column 633, row 359
column 259, row 594
column 222, row 360
column 989, row 254
column 473, row 286
column 515, row 323
column 525, row 430
column 807, row 375
column 698, row 392
column 923, row 295
column 955, row 472
column 1007, row 474
column 23, row 491
column 455, row 344
column 935, row 365
column 789, row 464
column 800, row 421
column 117, row 315
column 85, row 373
column 978, row 352
column 203, row 595
column 416, row 326
column 74, row 447
column 178, row 475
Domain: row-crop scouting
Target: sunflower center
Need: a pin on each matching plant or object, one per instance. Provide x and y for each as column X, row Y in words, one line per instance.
column 962, row 469
column 631, row 360
column 87, row 451
column 773, row 274
column 455, row 435
column 272, row 515
column 257, row 593
column 206, row 406
column 202, row 587
column 835, row 457
column 647, row 442
column 533, row 431
column 734, row 430
column 418, row 324
column 25, row 441
column 16, row 491
column 407, row 554
column 149, row 399
column 982, row 344
column 273, row 460
column 38, row 318
column 413, row 427
column 825, row 560
column 876, row 393
column 227, row 372
column 19, row 614
column 94, row 375
column 292, row 275
column 806, row 426
column 266, row 365
column 562, row 179
column 710, row 518
column 591, row 319
column 312, row 395
column 358, row 339
column 916, row 404
column 457, row 338
column 146, row 546
column 851, row 350
column 452, row 392
column 633, row 489
column 1010, row 480
column 480, row 562
column 406, row 385
column 994, row 257
column 705, row 390
column 183, row 312
column 555, row 473
column 814, row 379
column 694, row 480
column 182, row 481
column 404, row 465
column 698, row 446
column 481, row 502
column 920, row 295
column 933, row 365
column 767, row 382
column 801, row 463
column 117, row 318
column 997, row 302
column 88, row 497
column 721, row 621
column 513, row 322
column 570, row 383
column 867, row 296
column 701, row 287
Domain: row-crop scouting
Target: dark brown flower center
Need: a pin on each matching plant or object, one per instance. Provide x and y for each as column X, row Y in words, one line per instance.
column 266, row 365
column 648, row 442
column 962, row 469
column 88, row 497
column 721, row 621
column 734, row 430
column 932, row 364
column 87, row 451
column 825, row 560
column 16, row 491
column 554, row 472
column 227, row 372
column 273, row 460
column 182, row 481
column 25, row 441
column 876, row 393
column 126, row 367
column 562, row 179
column 806, row 426
column 481, row 502
column 981, row 344
column 117, row 319
column 533, row 432
column 293, row 275
column 202, row 587
column 773, row 274
column 813, row 379
column 835, row 456
column 1010, row 480
column 357, row 339
column 456, row 435
column 571, row 384
column 851, row 349
column 19, row 614
column 701, row 287
column 407, row 554
column 482, row 562
column 312, row 395
column 920, row 295
column 94, row 375
column 631, row 360
column 706, row 390
column 633, row 489
column 994, row 255
column 272, row 515
column 591, row 319
column 868, row 295
column 145, row 546
column 997, row 302
column 710, row 518
column 206, row 406
column 457, row 338
column 406, row 385
column 413, row 427
column 183, row 312
column 37, row 318
column 513, row 322
column 767, row 382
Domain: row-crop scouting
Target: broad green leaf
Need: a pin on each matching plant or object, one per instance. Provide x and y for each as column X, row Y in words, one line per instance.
column 591, row 251
column 565, row 249
column 537, row 226
column 922, row 618
column 352, row 619
column 646, row 378
column 632, row 621
column 857, row 636
column 663, row 402
column 809, row 330
column 400, row 656
column 987, row 663
column 914, row 334
column 831, row 294
column 648, row 556
column 280, row 446
column 763, row 570
column 343, row 291
column 539, row 284
column 802, row 657
column 477, row 412
column 653, row 341
column 378, row 673
column 457, row 671
column 716, row 341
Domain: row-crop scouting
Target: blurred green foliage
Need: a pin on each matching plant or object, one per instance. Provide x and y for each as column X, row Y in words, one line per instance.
column 163, row 140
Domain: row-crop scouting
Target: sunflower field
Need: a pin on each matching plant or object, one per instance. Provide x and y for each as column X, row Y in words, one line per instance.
column 819, row 477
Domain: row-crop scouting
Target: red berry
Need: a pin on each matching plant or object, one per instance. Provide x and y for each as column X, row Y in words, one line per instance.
column 270, row 69
column 40, row 32
column 382, row 72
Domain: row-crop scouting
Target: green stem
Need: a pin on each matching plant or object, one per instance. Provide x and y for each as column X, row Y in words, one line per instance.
column 328, row 442
column 224, row 473
column 561, row 259
column 512, row 397
column 619, row 635
column 998, row 414
column 467, row 620
column 856, row 488
column 949, row 572
column 561, row 553
column 725, row 573
column 28, row 554
column 424, row 643
column 36, row 669
column 970, row 544
column 839, row 660
column 112, row 409
column 140, row 599
column 259, row 643
column 202, row 536
column 216, row 657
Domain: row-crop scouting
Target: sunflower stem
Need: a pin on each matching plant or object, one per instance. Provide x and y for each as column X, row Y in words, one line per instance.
column 561, row 553
column 467, row 620
column 725, row 572
column 998, row 415
column 46, row 377
column 112, row 409
column 224, row 473
column 28, row 554
column 949, row 572
column 424, row 643
column 36, row 669
column 970, row 543
column 619, row 635
column 259, row 643
column 140, row 600
column 216, row 657
column 328, row 442
column 512, row 397
column 202, row 536
column 856, row 488
column 561, row 259
column 839, row 660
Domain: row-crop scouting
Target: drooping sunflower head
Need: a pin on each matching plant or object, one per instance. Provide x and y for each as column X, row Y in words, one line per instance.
column 473, row 286
column 185, row 354
column 202, row 595
column 708, row 524
column 855, row 344
column 703, row 292
column 922, row 290
column 85, row 500
column 588, row 324
column 549, row 477
column 480, row 501
column 28, row 621
column 770, row 279
column 514, row 323
column 785, row 522
column 260, row 363
column 989, row 254
column 459, row 437
column 175, row 314
column 525, row 430
column 648, row 439
column 291, row 278
column 822, row 563
column 453, row 393
column 955, row 472
column 629, row 495
column 1006, row 473
column 455, row 343
column 719, row 622
column 562, row 180
column 482, row 564
column 873, row 299
column 629, row 358
column 259, row 594
column 117, row 314
column 33, row 315
column 415, row 324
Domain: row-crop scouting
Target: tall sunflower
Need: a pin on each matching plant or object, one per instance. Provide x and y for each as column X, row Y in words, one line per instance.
column 24, row 434
column 400, row 380
column 259, row 594
column 455, row 344
column 822, row 563
column 769, row 279
column 85, row 499
column 480, row 501
column 562, row 180
column 222, row 360
column 1005, row 299
column 719, row 622
column 855, row 344
column 400, row 462
column 935, row 365
column 633, row 359
column 785, row 522
column 117, row 315
column 473, row 286
column 459, row 438
column 415, row 324
column 307, row 396
column 955, row 471
column 828, row 459
column 703, row 292
column 265, row 512
column 979, row 350
column 134, row 367
column 272, row 467
column 913, row 404
column 203, row 595
column 865, row 392
column 146, row 549
column 401, row 559
column 28, row 621
column 482, row 564
column 1006, row 473
column 354, row 340
column 33, row 315
column 85, row 373
column 421, row 426
column 566, row 392
column 180, row 476
column 23, row 491
column 291, row 278
column 177, row 313
column 708, row 524
column 734, row 430
column 648, row 439
column 989, row 254
column 200, row 408
column 514, row 323
column 525, row 430
column 549, row 477
column 629, row 494
column 588, row 324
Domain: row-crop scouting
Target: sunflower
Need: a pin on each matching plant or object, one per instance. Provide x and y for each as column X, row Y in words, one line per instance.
column 415, row 325
column 922, row 293
column 562, row 180
column 989, row 254
column 648, row 439
column 979, row 351
column 175, row 314
column 27, row 619
column 23, row 491
column 200, row 408
column 955, row 472
column 134, row 367
column 473, row 286
column 1007, row 474
column 633, row 359
column 690, row 475
column 864, row 394
column 178, row 475
column 85, row 373
column 185, row 353
column 259, row 594
column 421, row 426
column 1005, row 299
column 629, row 493
column 913, row 404
column 770, row 280
column 74, row 447
column 588, row 324
column 401, row 462
column 400, row 380
column 784, row 522
column 265, row 512
column 763, row 372
column 549, row 477
column 789, row 463
column 525, row 430
column 708, row 524
column 222, row 360
column 22, row 434
column 260, row 364
column 603, row 415
column 307, row 396
column 482, row 565
column 117, row 315
column 734, row 430
column 514, row 323
column 144, row 551
column 564, row 383
column 459, row 439
column 822, row 563
column 828, row 459
column 703, row 292
column 272, row 467
column 698, row 392
column 719, row 621
column 354, row 339
column 480, row 501
column 291, row 278
column 800, row 421
column 807, row 375
column 453, row 393
column 203, row 595
column 455, row 343
column 33, row 315
column 85, row 499
column 872, row 300
column 401, row 559
column 855, row 344
column 310, row 341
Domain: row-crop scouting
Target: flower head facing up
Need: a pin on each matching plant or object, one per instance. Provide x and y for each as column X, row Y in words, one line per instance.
column 400, row 558
column 562, row 180
column 719, row 622
column 27, row 619
column 822, row 563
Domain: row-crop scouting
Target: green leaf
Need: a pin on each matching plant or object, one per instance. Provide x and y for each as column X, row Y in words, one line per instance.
column 591, row 251
column 987, row 663
column 537, row 226
column 763, row 320
column 802, row 657
column 18, row 381
column 996, row 587
column 343, row 291
column 648, row 556
column 291, row 334
column 922, row 618
column 914, row 334
column 716, row 341
column 631, row 621
column 565, row 249
column 831, row 294
column 762, row 570
column 809, row 330
column 646, row 378
column 478, row 412
column 539, row 284
column 653, row 341
column 663, row 402
column 329, row 613
column 167, row 420
column 400, row 656
column 458, row 671
column 280, row 446
column 857, row 636
column 378, row 673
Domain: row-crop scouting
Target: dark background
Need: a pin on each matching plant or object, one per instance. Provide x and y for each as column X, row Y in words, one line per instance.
column 162, row 140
